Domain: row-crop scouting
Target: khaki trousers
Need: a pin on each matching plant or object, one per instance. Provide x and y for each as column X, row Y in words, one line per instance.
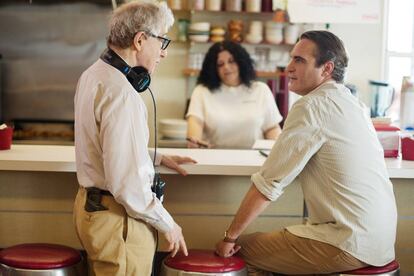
column 116, row 244
column 284, row 253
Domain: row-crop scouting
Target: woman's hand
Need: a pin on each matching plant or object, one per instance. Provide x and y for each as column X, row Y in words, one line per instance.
column 174, row 161
column 196, row 143
column 195, row 133
column 272, row 133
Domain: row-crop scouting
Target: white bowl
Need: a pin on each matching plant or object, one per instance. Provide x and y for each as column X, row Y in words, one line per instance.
column 200, row 26
column 176, row 122
column 199, row 38
column 274, row 39
column 173, row 124
column 177, row 134
column 253, row 39
column 273, row 25
column 218, row 31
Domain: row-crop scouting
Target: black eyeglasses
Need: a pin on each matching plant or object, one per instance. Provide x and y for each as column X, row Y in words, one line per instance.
column 164, row 41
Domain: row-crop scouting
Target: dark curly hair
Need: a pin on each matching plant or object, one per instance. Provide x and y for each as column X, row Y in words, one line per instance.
column 208, row 74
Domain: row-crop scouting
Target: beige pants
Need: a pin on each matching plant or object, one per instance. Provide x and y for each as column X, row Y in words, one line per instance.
column 284, row 253
column 116, row 244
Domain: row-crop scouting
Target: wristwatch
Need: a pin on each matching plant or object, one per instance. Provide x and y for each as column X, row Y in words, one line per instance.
column 228, row 239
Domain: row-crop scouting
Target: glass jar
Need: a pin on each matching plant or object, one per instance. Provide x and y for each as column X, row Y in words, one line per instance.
column 234, row 5
column 175, row 4
column 196, row 5
column 183, row 29
column 213, row 5
column 253, row 5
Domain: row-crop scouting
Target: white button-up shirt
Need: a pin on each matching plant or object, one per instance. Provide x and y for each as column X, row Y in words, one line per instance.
column 111, row 143
column 329, row 145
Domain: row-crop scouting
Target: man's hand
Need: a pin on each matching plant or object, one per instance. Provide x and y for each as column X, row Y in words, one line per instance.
column 226, row 249
column 176, row 241
column 173, row 162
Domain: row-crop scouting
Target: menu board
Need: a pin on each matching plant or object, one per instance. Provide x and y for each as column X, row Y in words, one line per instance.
column 334, row 11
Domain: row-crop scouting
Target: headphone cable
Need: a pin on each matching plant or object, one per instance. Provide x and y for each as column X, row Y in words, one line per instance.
column 153, row 163
column 155, row 127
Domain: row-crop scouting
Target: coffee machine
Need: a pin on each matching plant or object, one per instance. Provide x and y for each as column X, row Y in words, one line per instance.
column 407, row 104
column 381, row 98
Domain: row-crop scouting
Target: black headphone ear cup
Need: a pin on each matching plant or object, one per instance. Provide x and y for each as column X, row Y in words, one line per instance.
column 139, row 78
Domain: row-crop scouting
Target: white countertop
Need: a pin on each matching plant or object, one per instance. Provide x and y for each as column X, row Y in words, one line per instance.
column 210, row 161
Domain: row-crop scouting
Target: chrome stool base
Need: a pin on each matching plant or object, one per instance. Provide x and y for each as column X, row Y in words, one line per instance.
column 75, row 270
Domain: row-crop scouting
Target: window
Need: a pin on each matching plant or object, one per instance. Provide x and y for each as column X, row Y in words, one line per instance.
column 399, row 54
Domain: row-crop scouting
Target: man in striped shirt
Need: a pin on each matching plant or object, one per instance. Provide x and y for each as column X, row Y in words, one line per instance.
column 328, row 145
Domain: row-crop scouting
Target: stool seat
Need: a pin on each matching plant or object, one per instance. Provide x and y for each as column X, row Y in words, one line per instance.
column 39, row 256
column 204, row 261
column 374, row 270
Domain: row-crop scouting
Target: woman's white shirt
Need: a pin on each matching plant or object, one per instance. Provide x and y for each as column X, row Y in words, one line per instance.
column 234, row 117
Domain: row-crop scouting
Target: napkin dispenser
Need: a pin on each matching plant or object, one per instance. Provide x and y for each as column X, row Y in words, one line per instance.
column 389, row 137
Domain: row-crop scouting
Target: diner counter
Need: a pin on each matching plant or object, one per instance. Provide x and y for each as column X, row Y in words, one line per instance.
column 39, row 185
column 209, row 162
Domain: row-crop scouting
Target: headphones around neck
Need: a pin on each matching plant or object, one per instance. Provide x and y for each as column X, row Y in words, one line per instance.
column 137, row 76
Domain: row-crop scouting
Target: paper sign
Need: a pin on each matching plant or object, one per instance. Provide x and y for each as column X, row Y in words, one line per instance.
column 334, row 11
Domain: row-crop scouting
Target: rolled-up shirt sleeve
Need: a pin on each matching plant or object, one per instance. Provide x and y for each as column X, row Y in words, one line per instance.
column 126, row 160
column 300, row 139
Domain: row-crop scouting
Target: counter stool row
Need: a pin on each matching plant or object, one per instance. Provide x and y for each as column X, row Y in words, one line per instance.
column 40, row 259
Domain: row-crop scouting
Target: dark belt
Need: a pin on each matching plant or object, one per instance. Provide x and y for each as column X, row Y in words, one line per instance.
column 98, row 191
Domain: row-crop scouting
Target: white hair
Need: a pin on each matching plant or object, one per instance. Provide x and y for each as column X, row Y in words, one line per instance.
column 140, row 15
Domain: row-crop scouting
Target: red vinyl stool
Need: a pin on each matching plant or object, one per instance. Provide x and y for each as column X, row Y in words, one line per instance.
column 391, row 269
column 37, row 259
column 203, row 262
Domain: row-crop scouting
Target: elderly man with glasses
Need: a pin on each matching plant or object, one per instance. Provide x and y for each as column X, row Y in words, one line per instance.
column 116, row 214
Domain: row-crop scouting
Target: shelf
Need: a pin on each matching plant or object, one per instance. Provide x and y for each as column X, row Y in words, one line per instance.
column 224, row 12
column 194, row 73
column 246, row 43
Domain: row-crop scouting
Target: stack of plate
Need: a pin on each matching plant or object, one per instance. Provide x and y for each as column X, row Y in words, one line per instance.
column 199, row 31
column 173, row 128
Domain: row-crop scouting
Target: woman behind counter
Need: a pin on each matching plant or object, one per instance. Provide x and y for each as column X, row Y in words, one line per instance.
column 229, row 108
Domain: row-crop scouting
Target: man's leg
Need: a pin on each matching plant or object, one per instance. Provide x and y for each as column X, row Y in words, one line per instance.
column 140, row 248
column 285, row 253
column 102, row 234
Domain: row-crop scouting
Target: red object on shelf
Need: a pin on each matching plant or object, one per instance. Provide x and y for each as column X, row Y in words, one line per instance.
column 267, row 6
column 407, row 148
column 204, row 261
column 374, row 270
column 282, row 97
column 6, row 138
column 280, row 91
column 272, row 85
column 39, row 256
